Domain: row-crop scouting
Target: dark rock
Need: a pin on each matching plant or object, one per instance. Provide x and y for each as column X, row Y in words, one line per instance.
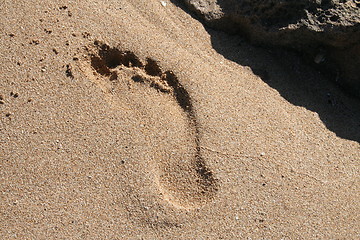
column 326, row 32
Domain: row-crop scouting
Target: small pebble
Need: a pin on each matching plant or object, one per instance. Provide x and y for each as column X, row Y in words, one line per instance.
column 35, row 41
column 319, row 58
column 163, row 3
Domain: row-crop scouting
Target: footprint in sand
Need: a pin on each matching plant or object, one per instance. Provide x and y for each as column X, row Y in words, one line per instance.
column 183, row 179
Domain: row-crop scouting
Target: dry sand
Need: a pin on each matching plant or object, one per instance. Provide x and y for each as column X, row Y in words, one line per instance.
column 129, row 120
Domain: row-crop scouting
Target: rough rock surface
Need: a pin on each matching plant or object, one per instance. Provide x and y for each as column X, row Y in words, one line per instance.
column 326, row 31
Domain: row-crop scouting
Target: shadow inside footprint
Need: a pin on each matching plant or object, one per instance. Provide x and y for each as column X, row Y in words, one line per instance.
column 184, row 183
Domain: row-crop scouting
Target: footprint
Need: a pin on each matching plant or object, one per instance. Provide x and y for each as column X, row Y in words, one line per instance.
column 183, row 178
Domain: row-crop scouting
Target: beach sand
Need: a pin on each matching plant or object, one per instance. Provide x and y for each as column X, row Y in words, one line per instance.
column 130, row 120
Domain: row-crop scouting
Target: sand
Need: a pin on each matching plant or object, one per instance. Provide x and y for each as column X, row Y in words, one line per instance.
column 130, row 120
